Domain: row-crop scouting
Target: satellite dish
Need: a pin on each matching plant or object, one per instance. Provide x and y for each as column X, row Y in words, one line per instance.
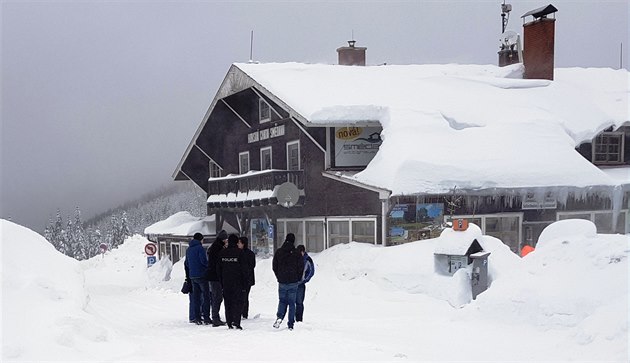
column 287, row 194
column 509, row 38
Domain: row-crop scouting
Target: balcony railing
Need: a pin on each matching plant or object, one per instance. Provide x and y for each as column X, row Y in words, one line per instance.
column 251, row 189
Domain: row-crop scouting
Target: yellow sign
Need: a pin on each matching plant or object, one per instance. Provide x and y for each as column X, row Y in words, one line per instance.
column 349, row 133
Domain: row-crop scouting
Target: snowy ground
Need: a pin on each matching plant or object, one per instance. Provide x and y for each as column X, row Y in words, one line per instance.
column 567, row 301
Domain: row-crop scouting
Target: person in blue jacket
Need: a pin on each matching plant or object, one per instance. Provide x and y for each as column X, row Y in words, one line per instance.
column 197, row 263
column 309, row 271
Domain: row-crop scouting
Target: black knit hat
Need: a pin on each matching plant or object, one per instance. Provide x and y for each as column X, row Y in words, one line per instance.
column 290, row 238
column 222, row 235
column 198, row 236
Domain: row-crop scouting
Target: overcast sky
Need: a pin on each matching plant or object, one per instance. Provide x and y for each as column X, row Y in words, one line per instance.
column 100, row 99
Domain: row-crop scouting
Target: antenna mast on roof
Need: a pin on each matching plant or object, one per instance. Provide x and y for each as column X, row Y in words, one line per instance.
column 505, row 15
column 251, row 47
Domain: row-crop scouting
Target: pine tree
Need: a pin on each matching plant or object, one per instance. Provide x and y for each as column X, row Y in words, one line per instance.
column 80, row 251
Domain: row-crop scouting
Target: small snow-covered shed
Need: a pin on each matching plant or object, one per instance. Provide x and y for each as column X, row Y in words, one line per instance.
column 173, row 234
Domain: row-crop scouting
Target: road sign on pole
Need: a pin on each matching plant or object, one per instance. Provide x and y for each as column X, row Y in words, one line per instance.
column 150, row 249
column 151, row 260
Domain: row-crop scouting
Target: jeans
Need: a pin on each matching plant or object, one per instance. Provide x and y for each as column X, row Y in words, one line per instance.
column 217, row 299
column 287, row 294
column 299, row 302
column 201, row 299
column 191, row 307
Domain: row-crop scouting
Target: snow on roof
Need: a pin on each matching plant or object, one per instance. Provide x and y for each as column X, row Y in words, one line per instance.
column 453, row 242
column 465, row 126
column 183, row 224
column 620, row 174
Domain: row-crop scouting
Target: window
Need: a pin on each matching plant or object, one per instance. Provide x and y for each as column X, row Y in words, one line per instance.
column 243, row 162
column 314, row 236
column 265, row 158
column 364, row 231
column 264, row 111
column 215, row 170
column 608, row 148
column 293, row 155
column 603, row 220
column 295, row 227
column 339, row 232
column 174, row 252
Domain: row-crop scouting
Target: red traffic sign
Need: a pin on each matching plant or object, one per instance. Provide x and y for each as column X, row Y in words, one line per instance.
column 150, row 249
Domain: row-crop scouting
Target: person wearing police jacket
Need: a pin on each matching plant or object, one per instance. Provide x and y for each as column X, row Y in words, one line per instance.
column 232, row 272
column 211, row 275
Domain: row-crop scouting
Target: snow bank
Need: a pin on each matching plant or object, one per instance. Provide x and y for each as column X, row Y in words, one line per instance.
column 574, row 279
column 43, row 297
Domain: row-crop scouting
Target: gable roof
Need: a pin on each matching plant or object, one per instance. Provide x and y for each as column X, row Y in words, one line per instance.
column 474, row 127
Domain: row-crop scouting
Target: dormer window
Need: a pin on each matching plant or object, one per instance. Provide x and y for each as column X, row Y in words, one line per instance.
column 264, row 111
column 608, row 148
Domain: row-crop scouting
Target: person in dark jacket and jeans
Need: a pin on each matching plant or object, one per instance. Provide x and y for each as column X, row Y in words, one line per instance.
column 231, row 271
column 309, row 271
column 288, row 266
column 191, row 305
column 250, row 263
column 196, row 263
column 211, row 275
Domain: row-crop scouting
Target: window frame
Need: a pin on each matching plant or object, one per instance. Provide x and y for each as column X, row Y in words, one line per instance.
column 262, row 104
column 263, row 149
column 299, row 161
column 592, row 213
column 240, row 163
column 214, row 168
column 598, row 141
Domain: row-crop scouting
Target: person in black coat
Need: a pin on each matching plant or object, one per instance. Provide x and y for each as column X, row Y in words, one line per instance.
column 211, row 275
column 232, row 271
column 288, row 266
column 250, row 262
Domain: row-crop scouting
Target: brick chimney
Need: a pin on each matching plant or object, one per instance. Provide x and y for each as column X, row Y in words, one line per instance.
column 539, row 40
column 351, row 55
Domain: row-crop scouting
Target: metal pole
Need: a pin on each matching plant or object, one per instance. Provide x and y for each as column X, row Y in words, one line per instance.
column 251, row 47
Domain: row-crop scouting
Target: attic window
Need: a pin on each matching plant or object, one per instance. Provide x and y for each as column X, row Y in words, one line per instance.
column 608, row 148
column 215, row 170
column 264, row 111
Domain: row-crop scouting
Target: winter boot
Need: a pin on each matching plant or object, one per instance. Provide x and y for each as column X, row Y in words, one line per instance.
column 277, row 323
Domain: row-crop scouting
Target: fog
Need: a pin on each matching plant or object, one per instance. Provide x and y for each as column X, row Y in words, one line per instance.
column 100, row 99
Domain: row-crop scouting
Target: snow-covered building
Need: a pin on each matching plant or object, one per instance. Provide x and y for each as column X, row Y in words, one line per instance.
column 173, row 234
column 383, row 154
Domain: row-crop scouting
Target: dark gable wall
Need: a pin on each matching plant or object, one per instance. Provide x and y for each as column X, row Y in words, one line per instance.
column 224, row 136
column 327, row 197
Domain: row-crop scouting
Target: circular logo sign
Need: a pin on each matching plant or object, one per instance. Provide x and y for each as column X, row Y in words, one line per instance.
column 150, row 249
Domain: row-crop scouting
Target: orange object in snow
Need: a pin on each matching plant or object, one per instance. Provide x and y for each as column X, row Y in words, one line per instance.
column 527, row 249
column 460, row 224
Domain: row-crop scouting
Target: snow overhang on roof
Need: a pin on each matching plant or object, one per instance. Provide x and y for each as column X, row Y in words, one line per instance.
column 473, row 127
column 183, row 224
